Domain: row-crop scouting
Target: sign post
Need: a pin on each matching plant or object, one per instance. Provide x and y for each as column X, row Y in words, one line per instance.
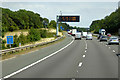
column 61, row 18
column 57, row 26
column 10, row 40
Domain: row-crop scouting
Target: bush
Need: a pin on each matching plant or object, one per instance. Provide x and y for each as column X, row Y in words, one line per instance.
column 2, row 34
column 51, row 35
column 3, row 44
column 43, row 33
column 16, row 42
column 34, row 35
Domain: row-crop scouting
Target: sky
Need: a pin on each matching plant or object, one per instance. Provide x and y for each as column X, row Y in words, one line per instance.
column 59, row 0
column 88, row 11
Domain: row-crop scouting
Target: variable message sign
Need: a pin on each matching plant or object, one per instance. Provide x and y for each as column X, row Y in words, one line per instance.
column 69, row 19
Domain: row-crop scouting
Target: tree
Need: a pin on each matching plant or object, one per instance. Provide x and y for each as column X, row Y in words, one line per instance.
column 52, row 24
column 34, row 35
column 111, row 23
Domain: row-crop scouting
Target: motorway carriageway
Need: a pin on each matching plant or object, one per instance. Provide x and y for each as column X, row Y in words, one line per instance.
column 67, row 59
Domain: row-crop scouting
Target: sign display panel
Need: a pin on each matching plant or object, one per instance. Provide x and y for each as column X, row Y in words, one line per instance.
column 69, row 18
column 9, row 39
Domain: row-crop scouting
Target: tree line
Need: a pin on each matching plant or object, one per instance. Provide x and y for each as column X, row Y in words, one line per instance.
column 110, row 23
column 23, row 19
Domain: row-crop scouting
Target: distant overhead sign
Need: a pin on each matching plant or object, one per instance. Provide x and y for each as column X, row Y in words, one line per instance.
column 69, row 18
column 61, row 27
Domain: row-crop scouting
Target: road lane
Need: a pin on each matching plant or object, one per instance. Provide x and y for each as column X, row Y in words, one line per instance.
column 99, row 62
column 111, row 47
column 62, row 65
column 12, row 65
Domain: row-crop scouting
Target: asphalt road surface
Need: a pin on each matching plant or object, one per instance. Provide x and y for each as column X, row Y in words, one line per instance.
column 82, row 59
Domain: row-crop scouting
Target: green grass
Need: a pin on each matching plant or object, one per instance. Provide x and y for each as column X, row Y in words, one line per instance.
column 10, row 55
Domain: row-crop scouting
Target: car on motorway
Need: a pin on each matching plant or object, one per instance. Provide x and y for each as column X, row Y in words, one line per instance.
column 103, row 38
column 74, row 31
column 70, row 32
column 78, row 36
column 113, row 40
column 84, row 34
column 108, row 34
column 89, row 37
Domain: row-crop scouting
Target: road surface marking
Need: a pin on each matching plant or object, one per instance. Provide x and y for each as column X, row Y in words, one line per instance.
column 80, row 64
column 83, row 56
column 113, row 50
column 20, row 70
column 85, row 45
column 77, row 70
column 73, row 79
column 85, row 51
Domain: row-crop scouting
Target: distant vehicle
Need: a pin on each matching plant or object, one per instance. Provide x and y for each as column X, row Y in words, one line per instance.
column 84, row 34
column 108, row 34
column 113, row 40
column 78, row 36
column 74, row 31
column 89, row 37
column 103, row 38
column 101, row 33
column 70, row 32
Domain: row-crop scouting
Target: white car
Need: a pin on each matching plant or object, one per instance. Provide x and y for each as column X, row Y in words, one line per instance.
column 78, row 36
column 113, row 40
column 89, row 37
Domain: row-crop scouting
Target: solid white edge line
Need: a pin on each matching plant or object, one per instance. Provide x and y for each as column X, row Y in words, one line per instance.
column 20, row 70
column 80, row 64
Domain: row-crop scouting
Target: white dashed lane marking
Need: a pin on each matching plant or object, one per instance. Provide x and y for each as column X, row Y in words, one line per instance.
column 113, row 50
column 83, row 56
column 80, row 64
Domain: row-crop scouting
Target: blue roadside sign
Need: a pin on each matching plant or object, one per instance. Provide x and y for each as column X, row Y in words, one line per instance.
column 9, row 39
column 61, row 27
column 68, row 30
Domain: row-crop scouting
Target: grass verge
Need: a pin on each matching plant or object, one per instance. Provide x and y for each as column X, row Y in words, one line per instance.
column 27, row 51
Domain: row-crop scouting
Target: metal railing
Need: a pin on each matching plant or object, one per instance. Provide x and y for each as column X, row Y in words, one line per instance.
column 28, row 46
